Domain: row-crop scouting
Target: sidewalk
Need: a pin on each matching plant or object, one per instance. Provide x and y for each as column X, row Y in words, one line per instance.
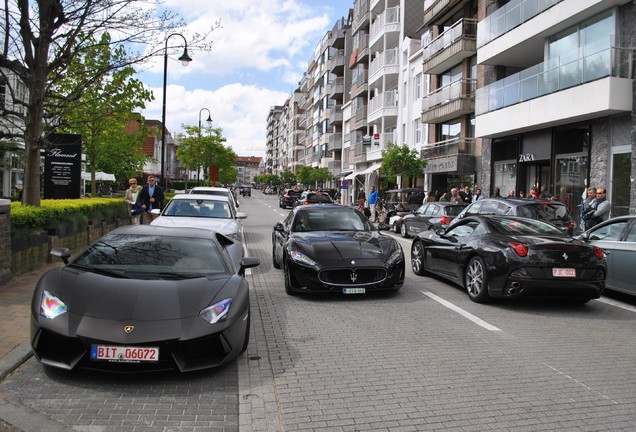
column 15, row 305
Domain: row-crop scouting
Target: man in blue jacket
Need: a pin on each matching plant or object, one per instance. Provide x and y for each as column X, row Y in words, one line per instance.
column 373, row 202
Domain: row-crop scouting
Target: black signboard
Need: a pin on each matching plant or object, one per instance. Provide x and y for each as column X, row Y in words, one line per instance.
column 63, row 167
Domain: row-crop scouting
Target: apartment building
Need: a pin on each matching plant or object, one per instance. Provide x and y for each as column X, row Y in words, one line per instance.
column 450, row 62
column 556, row 104
column 12, row 90
column 272, row 142
column 248, row 167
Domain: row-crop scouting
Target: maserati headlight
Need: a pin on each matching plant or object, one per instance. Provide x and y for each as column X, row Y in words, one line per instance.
column 302, row 258
column 217, row 311
column 395, row 257
column 51, row 306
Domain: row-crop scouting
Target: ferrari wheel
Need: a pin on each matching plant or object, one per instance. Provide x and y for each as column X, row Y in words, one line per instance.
column 417, row 258
column 476, row 280
column 289, row 284
column 404, row 231
column 275, row 262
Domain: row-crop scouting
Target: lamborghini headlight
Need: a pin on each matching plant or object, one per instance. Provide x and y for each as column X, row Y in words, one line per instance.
column 302, row 258
column 51, row 306
column 217, row 311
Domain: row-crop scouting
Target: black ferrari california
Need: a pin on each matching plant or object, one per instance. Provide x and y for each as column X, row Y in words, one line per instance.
column 144, row 298
column 334, row 248
column 509, row 256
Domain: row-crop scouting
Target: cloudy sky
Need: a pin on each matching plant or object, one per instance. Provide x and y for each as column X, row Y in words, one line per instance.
column 258, row 56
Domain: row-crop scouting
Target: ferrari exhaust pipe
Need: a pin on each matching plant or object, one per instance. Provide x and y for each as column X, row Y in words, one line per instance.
column 515, row 288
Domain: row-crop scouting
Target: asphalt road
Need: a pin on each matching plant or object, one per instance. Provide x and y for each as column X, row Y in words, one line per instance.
column 423, row 359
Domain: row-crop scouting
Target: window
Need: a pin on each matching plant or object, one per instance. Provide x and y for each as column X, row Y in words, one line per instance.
column 419, row 92
column 611, row 232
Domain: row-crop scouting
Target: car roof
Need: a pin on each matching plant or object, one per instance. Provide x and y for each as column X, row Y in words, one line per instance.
column 210, row 188
column 405, row 190
column 206, row 197
column 521, row 201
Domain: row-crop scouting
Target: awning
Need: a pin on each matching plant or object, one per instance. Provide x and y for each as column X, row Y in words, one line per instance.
column 371, row 169
column 350, row 176
column 102, row 176
column 344, row 174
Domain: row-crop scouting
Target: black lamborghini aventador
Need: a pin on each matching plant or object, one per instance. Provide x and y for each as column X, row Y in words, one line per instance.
column 144, row 298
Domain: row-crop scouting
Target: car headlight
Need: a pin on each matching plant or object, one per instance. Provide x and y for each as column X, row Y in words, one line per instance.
column 395, row 257
column 302, row 258
column 217, row 311
column 233, row 236
column 51, row 306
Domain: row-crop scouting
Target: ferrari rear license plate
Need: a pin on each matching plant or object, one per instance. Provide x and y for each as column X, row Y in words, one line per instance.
column 124, row 353
column 354, row 290
column 563, row 272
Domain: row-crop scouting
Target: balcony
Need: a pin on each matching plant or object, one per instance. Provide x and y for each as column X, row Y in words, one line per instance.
column 335, row 88
column 335, row 167
column 510, row 16
column 451, row 47
column 387, row 22
column 453, row 155
column 360, row 15
column 385, row 63
column 383, row 105
column 361, row 117
column 434, row 10
column 337, row 34
column 337, row 62
column 448, row 102
column 335, row 141
column 558, row 92
column 334, row 115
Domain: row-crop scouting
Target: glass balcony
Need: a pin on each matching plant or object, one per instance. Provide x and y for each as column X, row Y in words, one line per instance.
column 451, row 47
column 593, row 62
column 513, row 14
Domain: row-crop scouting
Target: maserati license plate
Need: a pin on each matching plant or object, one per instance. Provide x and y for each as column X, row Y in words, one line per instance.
column 124, row 353
column 563, row 272
column 354, row 290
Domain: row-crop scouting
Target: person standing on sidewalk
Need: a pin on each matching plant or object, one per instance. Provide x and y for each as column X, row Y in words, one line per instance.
column 373, row 202
column 132, row 193
column 151, row 197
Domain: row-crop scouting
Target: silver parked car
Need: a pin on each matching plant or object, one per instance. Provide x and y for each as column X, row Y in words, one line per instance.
column 617, row 238
column 211, row 212
column 216, row 190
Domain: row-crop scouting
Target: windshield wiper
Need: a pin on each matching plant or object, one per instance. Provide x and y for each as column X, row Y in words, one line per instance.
column 102, row 271
column 179, row 275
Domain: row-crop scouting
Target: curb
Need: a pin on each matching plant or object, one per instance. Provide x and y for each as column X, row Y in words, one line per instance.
column 12, row 360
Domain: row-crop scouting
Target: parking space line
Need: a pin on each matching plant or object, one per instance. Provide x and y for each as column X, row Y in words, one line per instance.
column 617, row 304
column 461, row 311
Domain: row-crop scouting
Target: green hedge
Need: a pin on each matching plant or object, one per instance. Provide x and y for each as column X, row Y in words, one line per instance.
column 56, row 213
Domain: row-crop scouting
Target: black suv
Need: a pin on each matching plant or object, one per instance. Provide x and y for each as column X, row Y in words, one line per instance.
column 288, row 197
column 551, row 211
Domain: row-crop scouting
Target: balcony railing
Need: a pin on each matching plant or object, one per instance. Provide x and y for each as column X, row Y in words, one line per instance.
column 387, row 58
column 463, row 29
column 387, row 99
column 513, row 14
column 388, row 17
column 335, row 141
column 453, row 146
column 555, row 75
column 460, row 89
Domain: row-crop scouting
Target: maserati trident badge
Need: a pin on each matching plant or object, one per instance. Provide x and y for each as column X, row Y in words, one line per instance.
column 354, row 276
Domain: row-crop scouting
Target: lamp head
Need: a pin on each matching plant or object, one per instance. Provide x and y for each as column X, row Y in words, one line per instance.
column 185, row 58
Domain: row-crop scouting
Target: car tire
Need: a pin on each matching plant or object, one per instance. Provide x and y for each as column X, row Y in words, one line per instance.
column 275, row 262
column 246, row 341
column 396, row 228
column 289, row 285
column 404, row 230
column 417, row 258
column 476, row 280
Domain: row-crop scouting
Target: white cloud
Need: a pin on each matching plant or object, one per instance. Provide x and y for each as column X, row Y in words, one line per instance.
column 257, row 58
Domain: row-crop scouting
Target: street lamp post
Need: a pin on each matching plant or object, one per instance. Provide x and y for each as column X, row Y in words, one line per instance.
column 185, row 59
column 208, row 121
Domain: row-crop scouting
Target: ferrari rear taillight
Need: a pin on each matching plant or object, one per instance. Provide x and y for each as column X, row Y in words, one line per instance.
column 520, row 249
column 445, row 220
column 598, row 252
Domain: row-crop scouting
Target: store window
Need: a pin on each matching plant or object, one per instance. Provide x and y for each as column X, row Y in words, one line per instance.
column 620, row 190
column 505, row 176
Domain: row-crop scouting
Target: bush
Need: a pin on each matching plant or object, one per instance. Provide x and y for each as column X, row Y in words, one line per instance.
column 65, row 212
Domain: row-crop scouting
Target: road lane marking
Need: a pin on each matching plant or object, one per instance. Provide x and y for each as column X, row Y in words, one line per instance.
column 461, row 311
column 617, row 304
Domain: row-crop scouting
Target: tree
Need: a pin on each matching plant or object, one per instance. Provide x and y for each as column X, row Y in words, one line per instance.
column 402, row 160
column 102, row 113
column 287, row 177
column 198, row 151
column 39, row 49
column 311, row 176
